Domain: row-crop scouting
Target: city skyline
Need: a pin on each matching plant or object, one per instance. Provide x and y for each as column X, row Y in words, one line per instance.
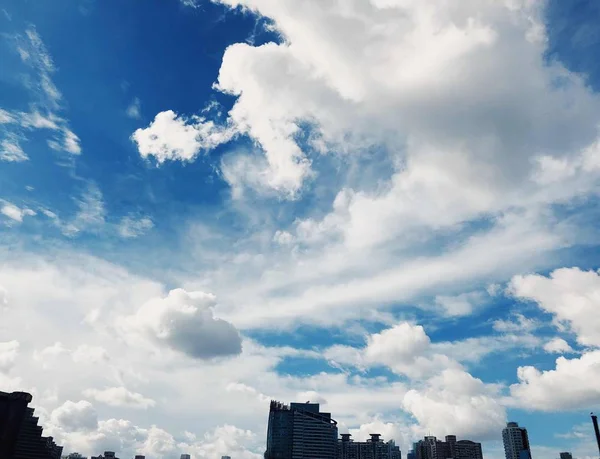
column 385, row 207
column 295, row 431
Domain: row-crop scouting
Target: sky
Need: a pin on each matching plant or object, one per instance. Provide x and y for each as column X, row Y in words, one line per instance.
column 388, row 207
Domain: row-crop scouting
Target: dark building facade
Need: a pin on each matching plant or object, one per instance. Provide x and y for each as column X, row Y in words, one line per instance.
column 374, row 448
column 300, row 431
column 467, row 449
column 20, row 435
column 516, row 442
column 432, row 448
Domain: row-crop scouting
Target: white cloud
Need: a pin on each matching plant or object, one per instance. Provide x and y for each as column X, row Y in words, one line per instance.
column 3, row 298
column 518, row 323
column 388, row 430
column 11, row 151
column 46, row 102
column 51, row 351
column 127, row 438
column 454, row 402
column 355, row 84
column 460, row 305
column 75, row 416
column 48, row 356
column 14, row 212
column 35, row 120
column 134, row 109
column 572, row 296
column 185, row 322
column 8, row 354
column 119, row 396
column 557, row 346
column 283, row 238
column 80, row 285
column 405, row 349
column 244, row 171
column 90, row 354
column 91, row 214
column 331, row 283
column 6, row 117
column 572, row 385
column 133, row 226
column 33, row 51
column 475, row 349
column 68, row 142
column 171, row 137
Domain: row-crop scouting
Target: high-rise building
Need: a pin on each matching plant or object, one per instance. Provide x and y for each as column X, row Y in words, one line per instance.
column 374, row 448
column 74, row 456
column 516, row 442
column 185, row 456
column 467, row 449
column 20, row 435
column 451, row 441
column 300, row 431
column 432, row 448
column 139, row 456
column 225, row 457
column 566, row 455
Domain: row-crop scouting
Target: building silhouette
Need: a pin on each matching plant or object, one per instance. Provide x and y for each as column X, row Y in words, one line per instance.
column 596, row 429
column 139, row 456
column 432, row 448
column 516, row 442
column 467, row 449
column 300, row 431
column 185, row 456
column 374, row 448
column 20, row 435
column 566, row 455
column 225, row 457
column 107, row 455
column 74, row 456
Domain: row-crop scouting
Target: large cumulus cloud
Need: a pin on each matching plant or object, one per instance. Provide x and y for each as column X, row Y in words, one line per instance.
column 184, row 321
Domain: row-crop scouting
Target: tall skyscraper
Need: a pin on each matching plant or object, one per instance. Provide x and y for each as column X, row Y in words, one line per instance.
column 566, row 455
column 300, row 431
column 516, row 442
column 374, row 448
column 185, row 456
column 20, row 435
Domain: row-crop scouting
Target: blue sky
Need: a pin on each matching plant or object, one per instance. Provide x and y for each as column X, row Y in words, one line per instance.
column 385, row 206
